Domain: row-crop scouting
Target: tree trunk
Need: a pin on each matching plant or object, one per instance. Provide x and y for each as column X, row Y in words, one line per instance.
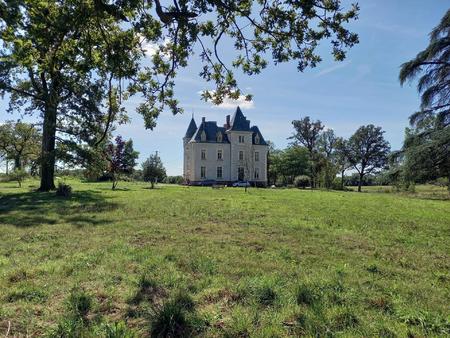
column 360, row 182
column 342, row 179
column 7, row 167
column 48, row 149
column 17, row 163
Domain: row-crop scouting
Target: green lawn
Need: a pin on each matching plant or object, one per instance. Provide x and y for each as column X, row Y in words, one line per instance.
column 221, row 262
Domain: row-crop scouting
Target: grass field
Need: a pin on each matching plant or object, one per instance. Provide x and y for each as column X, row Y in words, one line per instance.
column 212, row 263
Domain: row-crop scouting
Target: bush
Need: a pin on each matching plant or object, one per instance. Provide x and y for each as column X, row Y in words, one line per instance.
column 301, row 181
column 174, row 179
column 63, row 190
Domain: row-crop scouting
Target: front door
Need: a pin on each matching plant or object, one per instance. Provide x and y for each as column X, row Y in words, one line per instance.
column 240, row 173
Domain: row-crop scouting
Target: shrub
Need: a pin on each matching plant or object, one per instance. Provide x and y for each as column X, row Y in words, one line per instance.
column 64, row 190
column 301, row 181
column 174, row 179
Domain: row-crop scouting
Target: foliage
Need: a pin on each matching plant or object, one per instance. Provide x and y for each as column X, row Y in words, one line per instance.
column 19, row 142
column 122, row 159
column 302, row 181
column 179, row 238
column 427, row 141
column 285, row 165
column 174, row 179
column 18, row 175
column 367, row 151
column 64, row 190
column 308, row 134
column 68, row 60
column 153, row 170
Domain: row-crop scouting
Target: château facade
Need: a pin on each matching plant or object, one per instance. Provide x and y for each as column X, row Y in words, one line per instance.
column 234, row 152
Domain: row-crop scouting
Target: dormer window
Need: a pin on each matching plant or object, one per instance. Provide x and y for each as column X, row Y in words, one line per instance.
column 241, row 139
column 219, row 137
column 203, row 136
column 257, row 139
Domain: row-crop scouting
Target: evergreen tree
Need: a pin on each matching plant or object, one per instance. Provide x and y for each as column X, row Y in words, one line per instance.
column 426, row 149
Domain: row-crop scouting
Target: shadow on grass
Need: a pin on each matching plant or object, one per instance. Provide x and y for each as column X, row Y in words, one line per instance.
column 33, row 209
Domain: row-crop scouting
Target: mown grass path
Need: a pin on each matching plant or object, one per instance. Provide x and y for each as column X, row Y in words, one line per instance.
column 263, row 263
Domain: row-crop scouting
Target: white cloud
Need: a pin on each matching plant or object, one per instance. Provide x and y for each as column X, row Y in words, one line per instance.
column 231, row 103
column 151, row 48
column 241, row 102
column 333, row 68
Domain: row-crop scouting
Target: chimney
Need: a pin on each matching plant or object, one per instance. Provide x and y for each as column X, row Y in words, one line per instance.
column 227, row 124
column 203, row 119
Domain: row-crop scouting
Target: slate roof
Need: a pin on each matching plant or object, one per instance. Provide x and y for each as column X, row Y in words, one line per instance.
column 191, row 129
column 256, row 131
column 211, row 129
column 238, row 123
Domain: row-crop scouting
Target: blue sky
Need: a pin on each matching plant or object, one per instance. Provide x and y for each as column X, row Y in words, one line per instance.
column 362, row 89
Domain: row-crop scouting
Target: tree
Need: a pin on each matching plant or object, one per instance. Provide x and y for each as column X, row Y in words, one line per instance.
column 122, row 159
column 307, row 133
column 367, row 151
column 67, row 61
column 153, row 170
column 19, row 142
column 327, row 143
column 18, row 175
column 341, row 157
column 427, row 143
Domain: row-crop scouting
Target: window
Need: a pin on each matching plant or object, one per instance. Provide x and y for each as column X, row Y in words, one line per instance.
column 203, row 172
column 241, row 139
column 203, row 136
column 219, row 137
column 256, row 156
column 203, row 154
column 219, row 172
column 241, row 155
column 256, row 173
column 257, row 139
column 240, row 173
column 219, row 154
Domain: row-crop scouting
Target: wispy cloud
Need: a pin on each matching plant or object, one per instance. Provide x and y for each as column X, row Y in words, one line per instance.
column 333, row 68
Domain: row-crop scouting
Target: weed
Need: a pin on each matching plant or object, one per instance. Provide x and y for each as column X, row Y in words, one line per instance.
column 79, row 304
column 172, row 319
column 307, row 295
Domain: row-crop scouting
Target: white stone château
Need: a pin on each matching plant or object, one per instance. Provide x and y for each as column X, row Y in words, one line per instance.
column 234, row 152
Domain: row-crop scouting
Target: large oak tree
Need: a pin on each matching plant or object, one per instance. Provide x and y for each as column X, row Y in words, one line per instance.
column 73, row 62
column 367, row 151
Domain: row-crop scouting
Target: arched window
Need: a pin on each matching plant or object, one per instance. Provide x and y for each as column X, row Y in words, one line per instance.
column 203, row 136
column 219, row 137
column 257, row 139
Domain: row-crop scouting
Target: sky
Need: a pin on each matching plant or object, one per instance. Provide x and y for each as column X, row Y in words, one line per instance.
column 363, row 89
